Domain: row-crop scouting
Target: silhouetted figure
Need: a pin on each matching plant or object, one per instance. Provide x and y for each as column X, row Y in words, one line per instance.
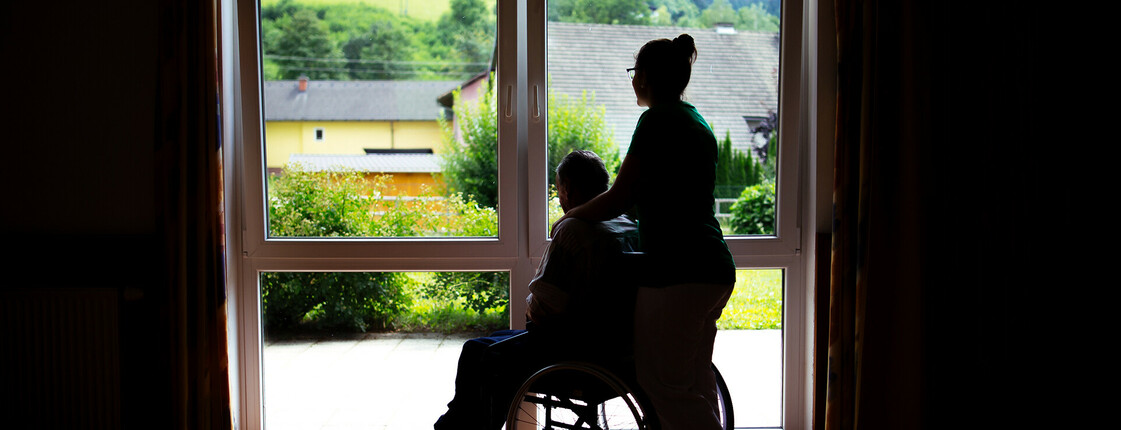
column 668, row 177
column 578, row 306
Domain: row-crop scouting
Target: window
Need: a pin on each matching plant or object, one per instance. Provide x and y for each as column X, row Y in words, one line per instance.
column 518, row 78
column 319, row 134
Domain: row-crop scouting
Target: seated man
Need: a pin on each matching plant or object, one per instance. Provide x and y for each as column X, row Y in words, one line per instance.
column 578, row 305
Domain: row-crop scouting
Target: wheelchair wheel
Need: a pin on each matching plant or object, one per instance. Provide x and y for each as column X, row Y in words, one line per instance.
column 575, row 396
column 724, row 396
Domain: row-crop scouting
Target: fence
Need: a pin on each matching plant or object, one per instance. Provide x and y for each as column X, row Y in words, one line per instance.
column 719, row 206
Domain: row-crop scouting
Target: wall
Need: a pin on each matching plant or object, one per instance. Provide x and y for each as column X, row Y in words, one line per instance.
column 413, row 184
column 79, row 208
column 346, row 137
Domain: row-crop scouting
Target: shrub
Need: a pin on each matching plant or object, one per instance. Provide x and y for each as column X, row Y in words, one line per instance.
column 471, row 155
column 579, row 124
column 332, row 301
column 470, row 162
column 754, row 211
column 442, row 316
column 347, row 204
column 481, row 291
column 317, row 204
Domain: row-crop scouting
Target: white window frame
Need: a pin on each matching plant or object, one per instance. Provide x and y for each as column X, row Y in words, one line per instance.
column 522, row 211
column 319, row 134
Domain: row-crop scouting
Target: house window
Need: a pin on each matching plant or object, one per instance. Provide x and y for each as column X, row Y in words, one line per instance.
column 319, row 134
column 499, row 89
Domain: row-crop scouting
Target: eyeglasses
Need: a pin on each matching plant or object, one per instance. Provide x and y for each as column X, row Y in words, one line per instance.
column 630, row 72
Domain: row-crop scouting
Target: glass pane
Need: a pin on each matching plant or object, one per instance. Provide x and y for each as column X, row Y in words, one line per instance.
column 370, row 350
column 748, row 349
column 734, row 86
column 379, row 118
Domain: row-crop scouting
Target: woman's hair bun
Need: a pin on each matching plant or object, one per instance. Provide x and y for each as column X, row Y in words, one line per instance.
column 684, row 40
column 685, row 45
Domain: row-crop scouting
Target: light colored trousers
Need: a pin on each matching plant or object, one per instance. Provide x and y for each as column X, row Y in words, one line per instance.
column 675, row 328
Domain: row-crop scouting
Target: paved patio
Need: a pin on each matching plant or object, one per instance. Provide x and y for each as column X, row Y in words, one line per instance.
column 404, row 381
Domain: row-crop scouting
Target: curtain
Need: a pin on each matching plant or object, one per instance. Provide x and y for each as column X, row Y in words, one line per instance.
column 874, row 377
column 189, row 185
column 936, row 218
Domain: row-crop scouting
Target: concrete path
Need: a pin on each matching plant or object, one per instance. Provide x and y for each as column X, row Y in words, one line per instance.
column 404, row 381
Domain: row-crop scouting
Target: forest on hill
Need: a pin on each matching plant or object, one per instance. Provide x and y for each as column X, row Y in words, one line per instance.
column 449, row 39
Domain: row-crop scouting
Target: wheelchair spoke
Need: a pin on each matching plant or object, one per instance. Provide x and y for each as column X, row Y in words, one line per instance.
column 579, row 396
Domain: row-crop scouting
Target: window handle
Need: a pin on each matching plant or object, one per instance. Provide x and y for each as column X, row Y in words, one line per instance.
column 536, row 103
column 509, row 98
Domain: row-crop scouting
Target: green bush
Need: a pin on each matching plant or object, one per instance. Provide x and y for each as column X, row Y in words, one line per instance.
column 442, row 316
column 754, row 211
column 303, row 203
column 481, row 291
column 579, row 124
column 332, row 301
column 471, row 155
column 316, row 204
column 470, row 162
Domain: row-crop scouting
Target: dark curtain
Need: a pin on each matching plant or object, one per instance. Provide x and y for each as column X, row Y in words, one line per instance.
column 873, row 246
column 929, row 206
column 189, row 199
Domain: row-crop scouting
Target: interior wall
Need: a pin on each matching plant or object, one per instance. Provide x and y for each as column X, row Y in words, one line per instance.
column 79, row 213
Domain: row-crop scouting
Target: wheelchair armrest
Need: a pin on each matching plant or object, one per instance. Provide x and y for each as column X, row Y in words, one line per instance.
column 509, row 340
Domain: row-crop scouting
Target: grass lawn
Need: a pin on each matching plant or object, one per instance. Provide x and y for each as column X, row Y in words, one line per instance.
column 756, row 302
column 429, row 10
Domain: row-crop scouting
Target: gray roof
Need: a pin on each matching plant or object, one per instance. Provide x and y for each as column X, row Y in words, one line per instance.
column 355, row 100
column 382, row 163
column 735, row 75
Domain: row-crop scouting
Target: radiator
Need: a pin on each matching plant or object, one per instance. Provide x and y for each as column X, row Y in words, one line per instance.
column 60, row 358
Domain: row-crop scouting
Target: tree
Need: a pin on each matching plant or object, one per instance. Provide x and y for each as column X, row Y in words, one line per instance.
column 468, row 28
column 302, row 47
column 390, row 43
column 679, row 10
column 362, row 41
column 579, row 124
column 470, row 162
column 634, row 12
column 754, row 17
column 471, row 155
column 279, row 9
column 720, row 11
column 735, row 170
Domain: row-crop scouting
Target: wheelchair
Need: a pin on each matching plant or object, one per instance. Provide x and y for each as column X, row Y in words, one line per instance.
column 595, row 395
column 585, row 395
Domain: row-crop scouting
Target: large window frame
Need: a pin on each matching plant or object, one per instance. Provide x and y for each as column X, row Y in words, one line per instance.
column 522, row 195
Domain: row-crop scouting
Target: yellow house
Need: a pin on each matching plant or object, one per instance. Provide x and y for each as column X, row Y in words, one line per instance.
column 388, row 125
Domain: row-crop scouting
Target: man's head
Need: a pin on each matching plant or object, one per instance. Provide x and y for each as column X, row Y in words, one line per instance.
column 581, row 176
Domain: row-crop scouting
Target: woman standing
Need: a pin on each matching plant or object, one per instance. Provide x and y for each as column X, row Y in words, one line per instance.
column 668, row 176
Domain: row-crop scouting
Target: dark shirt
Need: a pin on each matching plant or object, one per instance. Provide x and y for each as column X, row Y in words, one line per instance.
column 678, row 230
